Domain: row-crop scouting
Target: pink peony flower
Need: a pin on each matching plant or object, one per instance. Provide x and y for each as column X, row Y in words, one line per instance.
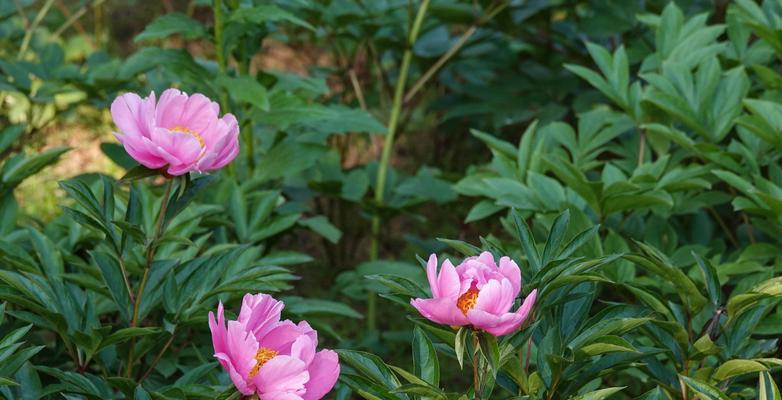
column 179, row 131
column 274, row 359
column 476, row 293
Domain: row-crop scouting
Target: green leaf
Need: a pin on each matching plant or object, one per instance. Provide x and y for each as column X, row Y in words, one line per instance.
column 141, row 394
column 462, row 247
column 460, row 344
column 611, row 326
column 713, row 287
column 7, row 382
column 767, row 388
column 267, row 13
column 138, row 172
column 307, row 307
column 177, row 204
column 277, row 224
column 127, row 333
column 608, row 344
column 599, row 394
column 732, row 368
column 703, row 389
column 488, row 346
column 556, row 236
column 22, row 166
column 704, row 347
column 425, row 363
column 9, row 135
column 498, row 145
column 370, row 366
column 112, row 276
column 172, row 24
column 178, row 61
column 579, row 240
column 527, row 241
column 481, row 210
column 323, row 227
column 245, row 89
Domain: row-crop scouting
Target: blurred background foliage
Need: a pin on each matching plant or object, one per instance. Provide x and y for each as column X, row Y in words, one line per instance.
column 659, row 122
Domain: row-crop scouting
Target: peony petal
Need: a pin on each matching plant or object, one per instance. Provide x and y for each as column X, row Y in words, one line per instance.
column 442, row 310
column 168, row 112
column 503, row 324
column 526, row 306
column 303, row 349
column 496, row 297
column 260, row 314
column 217, row 327
column 235, row 376
column 125, row 110
column 324, row 372
column 284, row 334
column 198, row 114
column 281, row 396
column 448, row 282
column 487, row 259
column 241, row 347
column 510, row 270
column 497, row 325
column 431, row 275
column 184, row 147
column 281, row 374
column 147, row 117
column 135, row 147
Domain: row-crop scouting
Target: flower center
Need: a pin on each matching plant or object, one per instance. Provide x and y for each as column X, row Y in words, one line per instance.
column 189, row 132
column 263, row 355
column 467, row 301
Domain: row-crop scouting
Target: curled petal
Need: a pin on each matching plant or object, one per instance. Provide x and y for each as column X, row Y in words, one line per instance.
column 510, row 270
column 442, row 311
column 503, row 324
column 260, row 314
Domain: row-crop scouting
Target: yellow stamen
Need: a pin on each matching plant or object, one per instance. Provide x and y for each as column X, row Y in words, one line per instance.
column 467, row 301
column 189, row 132
column 263, row 355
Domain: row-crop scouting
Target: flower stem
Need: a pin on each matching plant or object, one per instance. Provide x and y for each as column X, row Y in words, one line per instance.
column 388, row 144
column 475, row 380
column 150, row 257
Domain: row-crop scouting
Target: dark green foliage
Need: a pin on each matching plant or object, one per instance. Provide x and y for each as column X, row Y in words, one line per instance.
column 625, row 153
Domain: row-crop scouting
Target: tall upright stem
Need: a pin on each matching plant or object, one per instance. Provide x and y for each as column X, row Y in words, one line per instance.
column 218, row 15
column 150, row 258
column 388, row 144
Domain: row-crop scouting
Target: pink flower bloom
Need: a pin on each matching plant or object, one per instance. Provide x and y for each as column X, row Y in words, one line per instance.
column 275, row 359
column 477, row 293
column 179, row 131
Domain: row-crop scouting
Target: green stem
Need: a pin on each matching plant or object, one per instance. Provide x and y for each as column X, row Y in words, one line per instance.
column 218, row 15
column 158, row 357
column 150, row 257
column 475, row 379
column 28, row 35
column 385, row 158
